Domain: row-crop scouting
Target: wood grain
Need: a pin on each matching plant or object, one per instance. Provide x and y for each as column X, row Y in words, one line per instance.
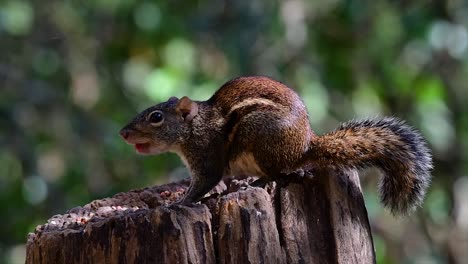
column 319, row 220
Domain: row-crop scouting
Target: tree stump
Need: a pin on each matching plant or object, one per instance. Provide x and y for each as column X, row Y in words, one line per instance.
column 319, row 220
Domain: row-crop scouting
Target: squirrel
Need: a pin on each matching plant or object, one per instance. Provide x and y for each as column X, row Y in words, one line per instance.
column 259, row 126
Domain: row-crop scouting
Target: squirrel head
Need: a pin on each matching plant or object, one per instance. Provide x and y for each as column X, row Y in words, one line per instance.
column 162, row 127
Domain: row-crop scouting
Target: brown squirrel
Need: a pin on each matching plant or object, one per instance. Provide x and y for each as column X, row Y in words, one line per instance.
column 259, row 126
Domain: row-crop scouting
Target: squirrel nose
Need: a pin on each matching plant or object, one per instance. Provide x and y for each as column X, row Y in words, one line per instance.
column 124, row 133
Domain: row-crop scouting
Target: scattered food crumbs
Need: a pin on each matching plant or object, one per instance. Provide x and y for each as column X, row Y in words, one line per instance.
column 165, row 194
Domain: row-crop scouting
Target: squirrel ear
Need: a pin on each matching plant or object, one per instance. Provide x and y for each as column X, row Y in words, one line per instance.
column 187, row 108
column 173, row 99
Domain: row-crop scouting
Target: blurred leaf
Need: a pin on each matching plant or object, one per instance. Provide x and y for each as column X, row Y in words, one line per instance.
column 429, row 91
column 16, row 17
column 147, row 16
column 437, row 204
column 179, row 55
column 163, row 83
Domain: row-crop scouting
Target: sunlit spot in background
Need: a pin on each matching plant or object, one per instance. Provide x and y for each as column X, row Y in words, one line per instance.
column 85, row 89
column 448, row 36
column 461, row 202
column 433, row 111
column 34, row 189
column 179, row 54
column 293, row 15
column 147, row 16
column 416, row 54
column 437, row 114
column 314, row 94
column 17, row 254
column 160, row 84
column 51, row 165
column 16, row 17
column 135, row 71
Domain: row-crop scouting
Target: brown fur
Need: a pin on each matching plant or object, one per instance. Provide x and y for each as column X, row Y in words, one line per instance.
column 388, row 144
column 256, row 125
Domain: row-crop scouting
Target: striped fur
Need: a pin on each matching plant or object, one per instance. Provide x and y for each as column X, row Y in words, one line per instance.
column 389, row 144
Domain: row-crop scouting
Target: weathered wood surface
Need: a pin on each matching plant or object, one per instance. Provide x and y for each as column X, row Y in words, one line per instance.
column 321, row 220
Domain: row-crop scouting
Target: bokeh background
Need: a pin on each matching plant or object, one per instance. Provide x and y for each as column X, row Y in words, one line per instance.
column 72, row 73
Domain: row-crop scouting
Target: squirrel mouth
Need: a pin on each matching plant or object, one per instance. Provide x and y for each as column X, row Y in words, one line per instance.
column 149, row 148
column 142, row 147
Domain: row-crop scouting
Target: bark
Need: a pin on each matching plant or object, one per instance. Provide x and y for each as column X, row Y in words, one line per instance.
column 321, row 219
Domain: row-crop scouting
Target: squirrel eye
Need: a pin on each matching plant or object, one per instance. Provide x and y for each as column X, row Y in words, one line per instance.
column 155, row 117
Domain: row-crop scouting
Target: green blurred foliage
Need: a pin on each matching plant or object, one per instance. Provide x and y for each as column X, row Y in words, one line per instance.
column 73, row 72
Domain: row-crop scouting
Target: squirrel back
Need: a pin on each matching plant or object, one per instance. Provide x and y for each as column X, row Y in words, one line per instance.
column 243, row 92
column 389, row 144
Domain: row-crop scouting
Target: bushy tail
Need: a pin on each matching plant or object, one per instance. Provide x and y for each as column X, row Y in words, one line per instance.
column 389, row 144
